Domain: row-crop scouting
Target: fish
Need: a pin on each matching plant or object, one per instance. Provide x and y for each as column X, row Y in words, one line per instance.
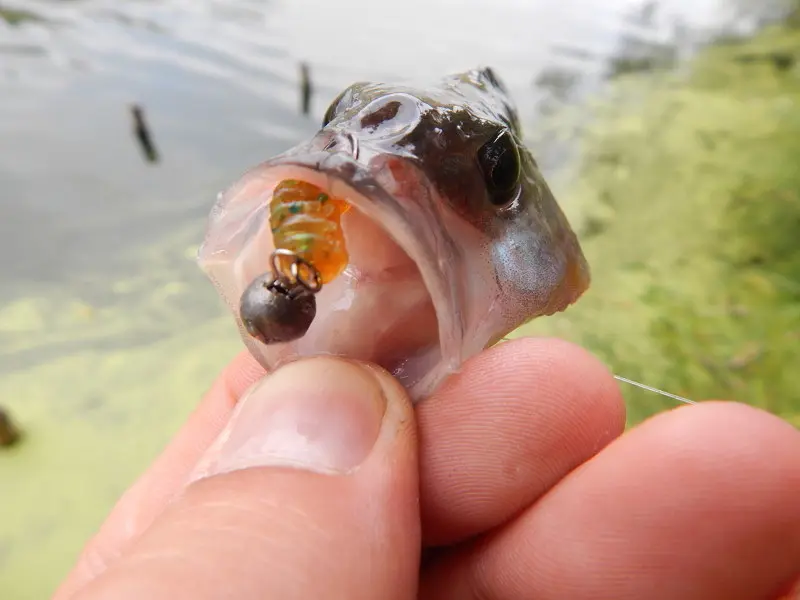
column 453, row 237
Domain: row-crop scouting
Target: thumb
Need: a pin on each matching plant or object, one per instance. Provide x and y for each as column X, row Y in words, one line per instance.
column 310, row 492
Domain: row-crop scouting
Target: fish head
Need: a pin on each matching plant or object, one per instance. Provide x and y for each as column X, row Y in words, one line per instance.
column 455, row 238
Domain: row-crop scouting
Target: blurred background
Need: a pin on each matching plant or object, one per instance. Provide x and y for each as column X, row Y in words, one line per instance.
column 670, row 132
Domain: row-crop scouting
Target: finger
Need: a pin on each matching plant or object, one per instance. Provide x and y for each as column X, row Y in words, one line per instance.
column 516, row 420
column 540, row 406
column 166, row 477
column 311, row 491
column 697, row 503
column 537, row 403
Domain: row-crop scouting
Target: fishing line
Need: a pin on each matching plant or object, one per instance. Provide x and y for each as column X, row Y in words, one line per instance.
column 641, row 385
column 656, row 390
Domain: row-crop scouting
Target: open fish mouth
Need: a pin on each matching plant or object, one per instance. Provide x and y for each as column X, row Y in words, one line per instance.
column 451, row 236
column 393, row 304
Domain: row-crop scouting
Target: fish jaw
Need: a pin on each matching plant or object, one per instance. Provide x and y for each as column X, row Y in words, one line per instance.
column 391, row 306
column 437, row 269
column 423, row 291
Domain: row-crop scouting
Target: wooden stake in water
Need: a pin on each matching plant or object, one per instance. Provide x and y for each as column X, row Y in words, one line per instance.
column 9, row 434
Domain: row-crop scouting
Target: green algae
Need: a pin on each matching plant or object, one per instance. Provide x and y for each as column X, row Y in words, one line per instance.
column 688, row 199
column 15, row 16
column 98, row 383
column 93, row 420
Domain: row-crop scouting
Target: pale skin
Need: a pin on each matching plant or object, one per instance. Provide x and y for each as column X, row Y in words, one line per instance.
column 513, row 482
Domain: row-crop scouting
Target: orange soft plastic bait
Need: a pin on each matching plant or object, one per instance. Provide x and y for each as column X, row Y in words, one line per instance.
column 307, row 221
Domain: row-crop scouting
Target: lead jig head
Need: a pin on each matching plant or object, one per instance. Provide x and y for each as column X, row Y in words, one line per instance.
column 279, row 306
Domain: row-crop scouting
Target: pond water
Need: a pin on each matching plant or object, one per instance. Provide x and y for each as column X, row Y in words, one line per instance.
column 218, row 80
column 96, row 243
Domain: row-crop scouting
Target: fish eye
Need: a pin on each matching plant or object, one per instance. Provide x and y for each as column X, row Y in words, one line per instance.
column 500, row 163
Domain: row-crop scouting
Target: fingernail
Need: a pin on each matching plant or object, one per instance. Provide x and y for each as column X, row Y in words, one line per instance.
column 320, row 415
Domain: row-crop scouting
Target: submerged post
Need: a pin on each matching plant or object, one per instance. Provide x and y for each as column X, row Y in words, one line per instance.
column 142, row 133
column 306, row 89
column 9, row 434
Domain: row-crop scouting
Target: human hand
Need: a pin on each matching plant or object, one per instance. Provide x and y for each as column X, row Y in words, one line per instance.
column 514, row 479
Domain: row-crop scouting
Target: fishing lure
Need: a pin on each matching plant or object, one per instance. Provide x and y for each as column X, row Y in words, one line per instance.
column 307, row 222
column 310, row 251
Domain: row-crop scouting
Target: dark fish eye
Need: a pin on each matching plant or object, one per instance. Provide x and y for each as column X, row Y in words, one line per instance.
column 500, row 163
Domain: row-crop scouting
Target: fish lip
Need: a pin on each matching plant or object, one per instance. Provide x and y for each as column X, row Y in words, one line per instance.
column 430, row 249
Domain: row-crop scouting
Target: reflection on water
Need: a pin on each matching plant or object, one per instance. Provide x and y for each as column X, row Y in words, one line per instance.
column 97, row 233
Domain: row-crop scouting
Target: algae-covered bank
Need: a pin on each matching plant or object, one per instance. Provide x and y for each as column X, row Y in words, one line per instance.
column 689, row 197
column 97, row 389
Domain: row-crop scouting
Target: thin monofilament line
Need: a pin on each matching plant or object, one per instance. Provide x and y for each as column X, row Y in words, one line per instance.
column 656, row 390
column 640, row 385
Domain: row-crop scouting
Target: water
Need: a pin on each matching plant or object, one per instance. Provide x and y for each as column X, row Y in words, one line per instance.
column 86, row 224
column 219, row 82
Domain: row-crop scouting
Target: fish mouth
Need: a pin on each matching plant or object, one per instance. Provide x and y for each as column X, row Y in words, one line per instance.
column 393, row 305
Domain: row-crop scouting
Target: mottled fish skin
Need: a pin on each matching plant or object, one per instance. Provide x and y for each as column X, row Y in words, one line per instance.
column 415, row 160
